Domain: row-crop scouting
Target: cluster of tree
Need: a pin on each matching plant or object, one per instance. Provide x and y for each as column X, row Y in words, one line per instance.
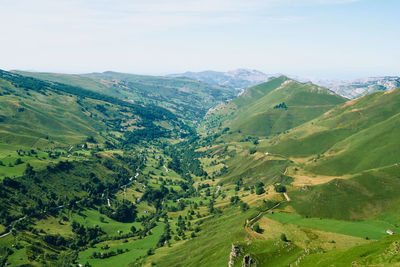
column 268, row 204
column 185, row 159
column 155, row 196
column 236, row 201
column 281, row 105
column 84, row 235
column 105, row 255
column 148, row 133
column 60, row 186
column 260, row 188
column 124, row 211
column 256, row 227
column 56, row 240
column 166, row 236
column 280, row 188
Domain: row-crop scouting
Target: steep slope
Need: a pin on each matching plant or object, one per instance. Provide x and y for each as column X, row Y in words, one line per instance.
column 198, row 201
column 369, row 195
column 38, row 114
column 273, row 107
column 347, row 160
column 339, row 172
column 358, row 135
column 185, row 97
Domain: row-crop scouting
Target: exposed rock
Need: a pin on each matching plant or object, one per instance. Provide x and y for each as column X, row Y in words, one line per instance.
column 249, row 261
column 235, row 252
column 356, row 88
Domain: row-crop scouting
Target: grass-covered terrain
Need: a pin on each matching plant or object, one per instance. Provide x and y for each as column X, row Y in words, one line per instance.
column 185, row 97
column 381, row 253
column 372, row 229
column 358, row 135
column 107, row 169
column 365, row 195
column 273, row 107
column 133, row 249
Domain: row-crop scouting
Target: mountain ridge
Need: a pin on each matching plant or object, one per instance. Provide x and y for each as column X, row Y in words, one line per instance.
column 273, row 107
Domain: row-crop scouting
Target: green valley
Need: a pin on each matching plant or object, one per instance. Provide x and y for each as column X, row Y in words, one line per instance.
column 133, row 170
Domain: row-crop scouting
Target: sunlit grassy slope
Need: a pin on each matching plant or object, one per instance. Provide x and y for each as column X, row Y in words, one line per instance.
column 257, row 111
column 358, row 135
column 36, row 114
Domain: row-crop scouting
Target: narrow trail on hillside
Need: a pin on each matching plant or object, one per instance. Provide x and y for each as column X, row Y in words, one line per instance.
column 249, row 221
column 166, row 169
column 286, row 196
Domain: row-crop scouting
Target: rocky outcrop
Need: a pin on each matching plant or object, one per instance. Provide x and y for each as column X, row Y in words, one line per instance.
column 235, row 252
column 249, row 261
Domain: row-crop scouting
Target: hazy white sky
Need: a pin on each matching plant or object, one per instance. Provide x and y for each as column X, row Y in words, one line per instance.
column 318, row 38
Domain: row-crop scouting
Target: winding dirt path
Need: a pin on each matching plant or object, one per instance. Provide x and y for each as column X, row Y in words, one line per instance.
column 248, row 222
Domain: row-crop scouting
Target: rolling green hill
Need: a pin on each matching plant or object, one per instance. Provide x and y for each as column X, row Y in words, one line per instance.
column 103, row 169
column 273, row 107
column 47, row 115
column 358, row 135
column 185, row 97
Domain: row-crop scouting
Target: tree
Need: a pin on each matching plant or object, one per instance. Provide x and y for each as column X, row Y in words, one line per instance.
column 259, row 190
column 18, row 161
column 211, row 206
column 244, row 206
column 125, row 212
column 257, row 228
column 29, row 170
column 284, row 238
column 234, row 200
column 280, row 188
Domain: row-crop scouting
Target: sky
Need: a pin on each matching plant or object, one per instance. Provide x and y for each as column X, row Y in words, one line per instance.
column 327, row 39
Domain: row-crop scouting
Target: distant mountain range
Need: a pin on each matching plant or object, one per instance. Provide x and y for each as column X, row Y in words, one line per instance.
column 241, row 79
column 356, row 88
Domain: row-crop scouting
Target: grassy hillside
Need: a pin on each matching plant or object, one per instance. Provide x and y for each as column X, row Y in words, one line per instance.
column 380, row 253
column 35, row 114
column 358, row 135
column 340, row 171
column 363, row 196
column 292, row 175
column 273, row 107
column 185, row 97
